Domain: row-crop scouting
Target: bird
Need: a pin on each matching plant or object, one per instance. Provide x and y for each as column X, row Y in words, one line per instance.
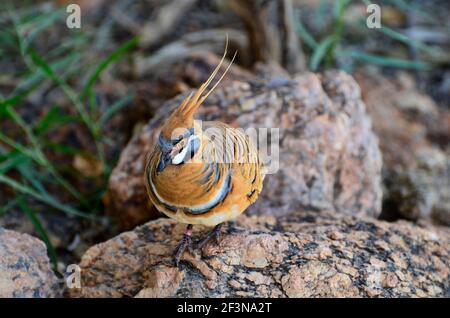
column 202, row 173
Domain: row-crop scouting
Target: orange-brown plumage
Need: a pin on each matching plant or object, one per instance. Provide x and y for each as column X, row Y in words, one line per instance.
column 196, row 183
column 197, row 179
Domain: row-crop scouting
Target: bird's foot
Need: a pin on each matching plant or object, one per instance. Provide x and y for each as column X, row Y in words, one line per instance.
column 214, row 234
column 185, row 243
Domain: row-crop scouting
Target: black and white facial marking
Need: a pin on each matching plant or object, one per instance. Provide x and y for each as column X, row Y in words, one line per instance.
column 170, row 155
column 167, row 144
column 188, row 151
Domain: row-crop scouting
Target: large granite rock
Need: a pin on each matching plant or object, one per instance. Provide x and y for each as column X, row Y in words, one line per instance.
column 299, row 255
column 329, row 157
column 414, row 138
column 24, row 267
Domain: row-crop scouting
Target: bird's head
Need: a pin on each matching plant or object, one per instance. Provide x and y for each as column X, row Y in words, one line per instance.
column 180, row 138
column 184, row 142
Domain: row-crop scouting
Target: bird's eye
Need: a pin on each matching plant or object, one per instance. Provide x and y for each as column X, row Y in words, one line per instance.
column 185, row 135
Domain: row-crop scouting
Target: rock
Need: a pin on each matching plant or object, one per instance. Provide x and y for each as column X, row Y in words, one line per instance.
column 24, row 267
column 329, row 157
column 71, row 237
column 298, row 255
column 415, row 141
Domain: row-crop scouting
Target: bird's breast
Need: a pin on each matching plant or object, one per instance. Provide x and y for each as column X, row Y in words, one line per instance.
column 194, row 187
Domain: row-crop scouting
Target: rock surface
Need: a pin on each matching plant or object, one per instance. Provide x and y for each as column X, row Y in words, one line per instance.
column 329, row 157
column 300, row 255
column 415, row 141
column 24, row 267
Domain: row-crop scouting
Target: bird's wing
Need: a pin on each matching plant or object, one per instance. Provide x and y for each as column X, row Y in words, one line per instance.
column 237, row 155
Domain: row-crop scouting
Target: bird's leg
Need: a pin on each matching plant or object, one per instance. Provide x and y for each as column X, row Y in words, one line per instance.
column 186, row 242
column 215, row 233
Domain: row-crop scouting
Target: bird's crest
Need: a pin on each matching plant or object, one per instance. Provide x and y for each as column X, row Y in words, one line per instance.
column 183, row 115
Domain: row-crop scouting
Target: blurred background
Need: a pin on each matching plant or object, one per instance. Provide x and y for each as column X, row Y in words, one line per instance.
column 70, row 99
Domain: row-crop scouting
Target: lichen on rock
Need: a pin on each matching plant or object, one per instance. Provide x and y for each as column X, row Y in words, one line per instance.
column 303, row 254
column 25, row 270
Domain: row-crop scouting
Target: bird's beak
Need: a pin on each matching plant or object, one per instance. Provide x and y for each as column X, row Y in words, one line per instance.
column 167, row 158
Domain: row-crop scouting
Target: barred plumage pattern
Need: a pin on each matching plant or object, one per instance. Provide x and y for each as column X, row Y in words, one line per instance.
column 220, row 179
column 222, row 185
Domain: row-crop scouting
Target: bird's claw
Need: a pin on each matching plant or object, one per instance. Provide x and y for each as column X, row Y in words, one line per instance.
column 186, row 243
column 214, row 234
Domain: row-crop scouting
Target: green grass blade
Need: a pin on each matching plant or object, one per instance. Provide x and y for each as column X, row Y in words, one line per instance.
column 66, row 89
column 69, row 45
column 320, row 52
column 407, row 40
column 65, row 149
column 10, row 205
column 49, row 200
column 20, row 148
column 304, row 34
column 35, row 80
column 28, row 173
column 412, row 5
column 114, row 108
column 41, row 160
column 40, row 230
column 339, row 8
column 41, row 156
column 17, row 98
column 105, row 63
column 389, row 61
column 53, row 117
column 44, row 22
column 14, row 160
